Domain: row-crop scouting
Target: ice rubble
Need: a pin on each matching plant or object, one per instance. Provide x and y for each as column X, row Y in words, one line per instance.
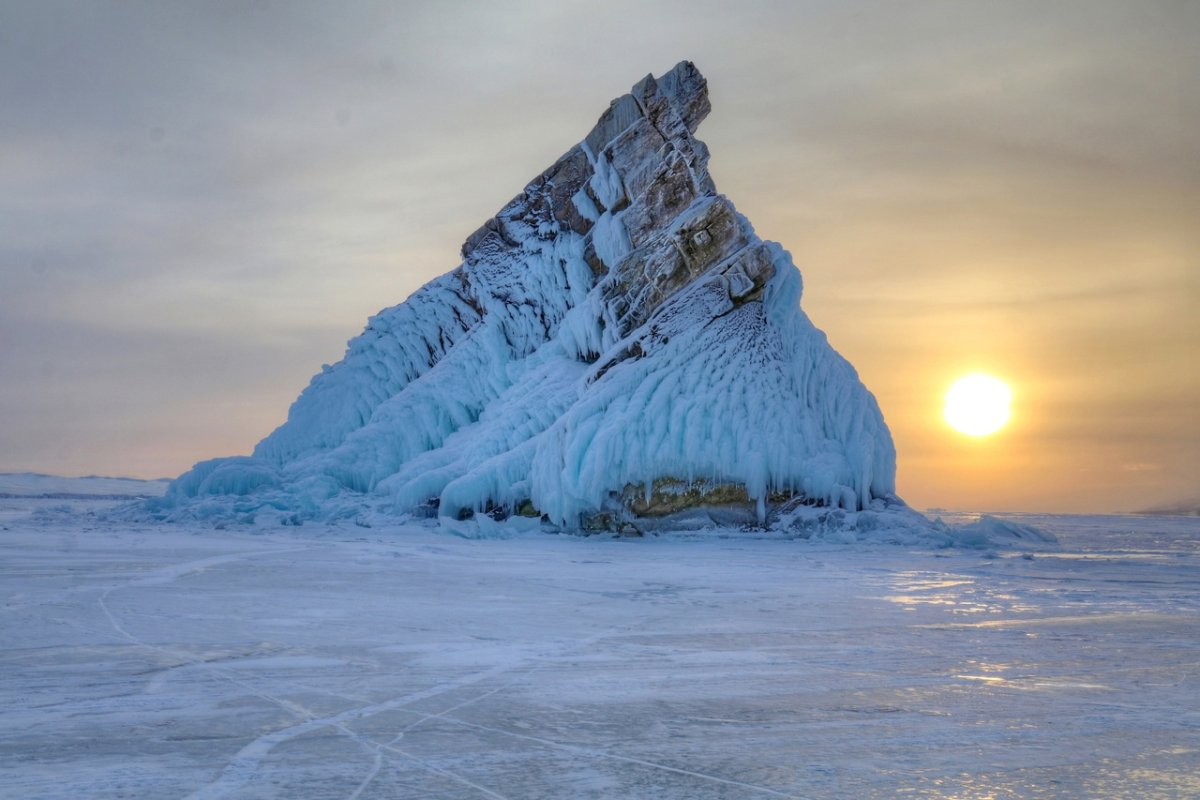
column 615, row 333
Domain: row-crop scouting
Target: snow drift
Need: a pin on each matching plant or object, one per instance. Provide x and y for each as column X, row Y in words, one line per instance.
column 616, row 343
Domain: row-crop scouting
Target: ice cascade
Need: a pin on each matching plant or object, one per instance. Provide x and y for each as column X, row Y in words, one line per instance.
column 616, row 345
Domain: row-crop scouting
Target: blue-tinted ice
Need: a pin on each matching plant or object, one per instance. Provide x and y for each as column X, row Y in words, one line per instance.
column 402, row 663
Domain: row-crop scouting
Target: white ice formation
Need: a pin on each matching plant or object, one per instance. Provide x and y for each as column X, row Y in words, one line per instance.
column 617, row 343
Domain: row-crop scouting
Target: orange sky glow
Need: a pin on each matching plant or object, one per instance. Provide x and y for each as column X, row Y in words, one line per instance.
column 198, row 209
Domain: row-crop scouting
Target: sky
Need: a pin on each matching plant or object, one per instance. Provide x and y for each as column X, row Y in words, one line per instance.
column 200, row 203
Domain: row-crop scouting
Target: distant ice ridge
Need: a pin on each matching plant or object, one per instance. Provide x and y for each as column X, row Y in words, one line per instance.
column 617, row 347
column 36, row 484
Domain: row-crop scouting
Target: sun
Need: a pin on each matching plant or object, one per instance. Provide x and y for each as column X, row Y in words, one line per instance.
column 978, row 405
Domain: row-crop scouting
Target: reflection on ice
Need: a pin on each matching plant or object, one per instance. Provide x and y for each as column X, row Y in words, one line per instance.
column 960, row 593
column 176, row 662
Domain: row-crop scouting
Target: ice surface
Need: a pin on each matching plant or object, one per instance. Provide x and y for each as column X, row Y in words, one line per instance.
column 615, row 324
column 400, row 662
column 36, row 484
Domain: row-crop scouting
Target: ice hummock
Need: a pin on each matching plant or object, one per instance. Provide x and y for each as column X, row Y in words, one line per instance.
column 616, row 327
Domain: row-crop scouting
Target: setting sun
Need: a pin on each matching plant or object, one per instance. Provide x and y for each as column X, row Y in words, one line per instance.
column 978, row 405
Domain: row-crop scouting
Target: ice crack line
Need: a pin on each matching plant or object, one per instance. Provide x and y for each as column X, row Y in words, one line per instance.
column 440, row 771
column 588, row 751
column 379, row 747
column 177, row 571
column 246, row 761
column 171, row 574
column 154, row 578
column 179, row 655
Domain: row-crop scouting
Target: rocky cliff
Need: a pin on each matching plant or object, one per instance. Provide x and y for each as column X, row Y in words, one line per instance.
column 617, row 343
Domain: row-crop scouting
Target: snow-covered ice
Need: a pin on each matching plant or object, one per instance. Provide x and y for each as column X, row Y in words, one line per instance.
column 37, row 484
column 401, row 661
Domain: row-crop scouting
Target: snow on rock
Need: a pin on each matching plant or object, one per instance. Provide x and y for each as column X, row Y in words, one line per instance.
column 616, row 330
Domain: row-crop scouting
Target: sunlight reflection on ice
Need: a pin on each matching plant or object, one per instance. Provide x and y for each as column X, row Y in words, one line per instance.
column 398, row 663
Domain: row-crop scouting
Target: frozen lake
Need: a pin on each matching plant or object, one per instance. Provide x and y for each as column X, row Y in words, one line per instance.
column 173, row 661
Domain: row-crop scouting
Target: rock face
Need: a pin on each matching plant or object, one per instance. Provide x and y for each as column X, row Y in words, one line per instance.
column 616, row 342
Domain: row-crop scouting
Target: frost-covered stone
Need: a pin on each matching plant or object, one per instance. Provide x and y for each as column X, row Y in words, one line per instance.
column 616, row 342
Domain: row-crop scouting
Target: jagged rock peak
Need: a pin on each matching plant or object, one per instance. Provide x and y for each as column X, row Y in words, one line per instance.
column 633, row 139
column 616, row 331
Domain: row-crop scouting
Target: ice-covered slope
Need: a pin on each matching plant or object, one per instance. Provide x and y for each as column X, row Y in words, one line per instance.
column 616, row 342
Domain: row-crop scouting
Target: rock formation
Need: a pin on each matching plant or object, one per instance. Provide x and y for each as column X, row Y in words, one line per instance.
column 617, row 343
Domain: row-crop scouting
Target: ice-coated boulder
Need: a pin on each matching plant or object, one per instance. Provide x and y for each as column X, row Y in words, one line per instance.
column 617, row 342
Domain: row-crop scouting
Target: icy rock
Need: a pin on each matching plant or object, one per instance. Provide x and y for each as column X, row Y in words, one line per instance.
column 616, row 326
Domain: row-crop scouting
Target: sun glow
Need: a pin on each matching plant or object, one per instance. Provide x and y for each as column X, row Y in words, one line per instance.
column 978, row 405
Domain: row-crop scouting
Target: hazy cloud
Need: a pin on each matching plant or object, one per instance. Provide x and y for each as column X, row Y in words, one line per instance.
column 199, row 203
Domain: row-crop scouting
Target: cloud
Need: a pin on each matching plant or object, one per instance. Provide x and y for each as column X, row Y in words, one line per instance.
column 1012, row 181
